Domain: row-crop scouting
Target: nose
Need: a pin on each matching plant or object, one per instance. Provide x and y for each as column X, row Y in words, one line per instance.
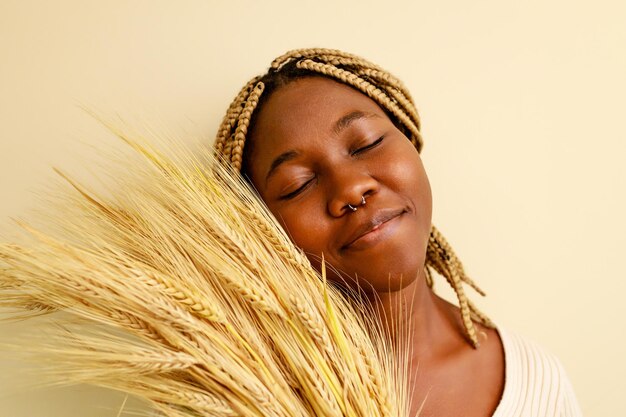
column 348, row 188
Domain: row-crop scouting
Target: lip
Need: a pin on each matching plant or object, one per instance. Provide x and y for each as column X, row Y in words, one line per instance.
column 373, row 229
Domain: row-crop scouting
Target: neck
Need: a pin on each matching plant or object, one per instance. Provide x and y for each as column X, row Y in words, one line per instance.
column 415, row 317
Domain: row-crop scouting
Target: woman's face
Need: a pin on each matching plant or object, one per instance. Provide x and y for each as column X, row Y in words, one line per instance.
column 320, row 146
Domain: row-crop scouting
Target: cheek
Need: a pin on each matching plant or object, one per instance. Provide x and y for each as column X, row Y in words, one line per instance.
column 304, row 227
column 408, row 177
column 308, row 229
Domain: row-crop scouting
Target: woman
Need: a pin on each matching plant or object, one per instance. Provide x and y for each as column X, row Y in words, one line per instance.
column 331, row 143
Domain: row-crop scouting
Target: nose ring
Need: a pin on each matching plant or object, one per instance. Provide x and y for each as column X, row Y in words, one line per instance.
column 353, row 208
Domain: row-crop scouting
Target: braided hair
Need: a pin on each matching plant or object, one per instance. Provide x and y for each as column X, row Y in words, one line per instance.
column 391, row 95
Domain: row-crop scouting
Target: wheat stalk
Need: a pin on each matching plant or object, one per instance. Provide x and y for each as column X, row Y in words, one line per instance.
column 202, row 305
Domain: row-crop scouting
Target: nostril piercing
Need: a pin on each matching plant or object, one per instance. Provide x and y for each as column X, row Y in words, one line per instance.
column 351, row 207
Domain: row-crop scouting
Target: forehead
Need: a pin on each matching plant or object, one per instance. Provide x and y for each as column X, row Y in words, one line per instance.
column 305, row 111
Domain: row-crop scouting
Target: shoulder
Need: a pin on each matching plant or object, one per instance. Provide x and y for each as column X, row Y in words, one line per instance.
column 536, row 383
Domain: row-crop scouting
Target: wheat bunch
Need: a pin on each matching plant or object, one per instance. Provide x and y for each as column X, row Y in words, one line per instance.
column 183, row 290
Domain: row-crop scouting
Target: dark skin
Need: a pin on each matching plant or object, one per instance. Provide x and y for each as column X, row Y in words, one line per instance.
column 320, row 146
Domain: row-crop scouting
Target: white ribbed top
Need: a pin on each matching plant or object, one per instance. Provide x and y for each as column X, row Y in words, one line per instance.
column 535, row 382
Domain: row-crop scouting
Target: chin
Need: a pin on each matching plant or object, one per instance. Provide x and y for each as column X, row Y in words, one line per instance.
column 369, row 284
column 382, row 274
column 395, row 272
column 393, row 282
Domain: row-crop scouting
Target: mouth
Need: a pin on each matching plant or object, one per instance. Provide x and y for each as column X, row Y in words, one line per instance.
column 374, row 229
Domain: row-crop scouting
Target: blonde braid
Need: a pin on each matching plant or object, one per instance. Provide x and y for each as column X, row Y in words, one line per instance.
column 322, row 53
column 441, row 258
column 389, row 93
column 243, row 124
column 231, row 118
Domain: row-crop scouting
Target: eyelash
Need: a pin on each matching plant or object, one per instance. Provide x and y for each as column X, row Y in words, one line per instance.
column 368, row 147
column 296, row 192
column 353, row 153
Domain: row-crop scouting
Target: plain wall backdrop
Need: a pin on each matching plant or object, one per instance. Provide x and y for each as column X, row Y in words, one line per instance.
column 522, row 105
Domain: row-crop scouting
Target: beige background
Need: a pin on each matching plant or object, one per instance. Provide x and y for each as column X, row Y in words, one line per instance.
column 523, row 117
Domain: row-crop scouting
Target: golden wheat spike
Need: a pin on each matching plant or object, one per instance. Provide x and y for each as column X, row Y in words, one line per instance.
column 200, row 304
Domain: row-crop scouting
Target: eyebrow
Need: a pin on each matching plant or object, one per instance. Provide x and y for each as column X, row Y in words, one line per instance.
column 340, row 125
column 345, row 121
column 280, row 159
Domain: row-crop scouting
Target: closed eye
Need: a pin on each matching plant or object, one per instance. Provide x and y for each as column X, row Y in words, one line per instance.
column 368, row 147
column 296, row 192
